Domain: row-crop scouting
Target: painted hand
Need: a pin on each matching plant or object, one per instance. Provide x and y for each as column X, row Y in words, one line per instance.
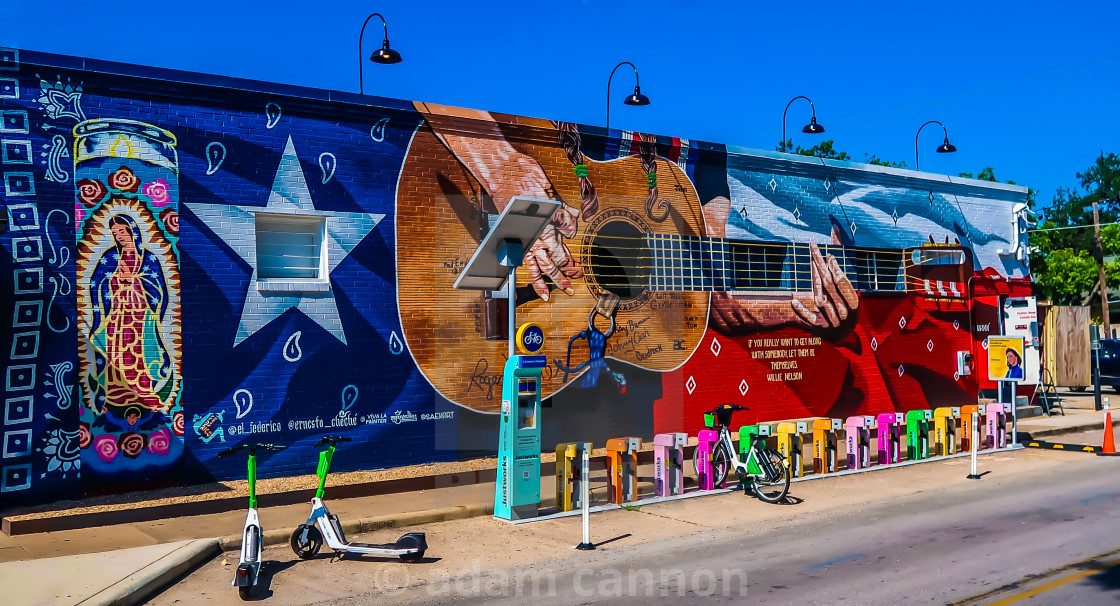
column 549, row 256
column 835, row 300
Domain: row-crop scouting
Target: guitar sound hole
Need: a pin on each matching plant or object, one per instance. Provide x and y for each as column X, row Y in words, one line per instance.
column 619, row 260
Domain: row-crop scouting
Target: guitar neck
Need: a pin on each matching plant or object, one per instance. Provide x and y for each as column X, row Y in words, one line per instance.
column 694, row 263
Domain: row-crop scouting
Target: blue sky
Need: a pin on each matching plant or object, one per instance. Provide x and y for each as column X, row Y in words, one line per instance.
column 1026, row 87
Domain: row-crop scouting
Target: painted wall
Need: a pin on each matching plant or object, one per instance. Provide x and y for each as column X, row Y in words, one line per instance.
column 679, row 275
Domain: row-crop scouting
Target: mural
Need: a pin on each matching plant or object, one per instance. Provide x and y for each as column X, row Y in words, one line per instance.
column 265, row 263
column 130, row 362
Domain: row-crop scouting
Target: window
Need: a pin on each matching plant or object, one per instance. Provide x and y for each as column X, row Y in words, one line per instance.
column 290, row 250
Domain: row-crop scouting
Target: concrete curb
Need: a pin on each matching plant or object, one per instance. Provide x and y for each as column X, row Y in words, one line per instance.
column 137, row 587
column 1058, row 431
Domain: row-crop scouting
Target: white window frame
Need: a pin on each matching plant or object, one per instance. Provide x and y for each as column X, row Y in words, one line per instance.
column 318, row 224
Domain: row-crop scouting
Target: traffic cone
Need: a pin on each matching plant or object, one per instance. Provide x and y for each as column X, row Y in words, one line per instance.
column 1109, row 446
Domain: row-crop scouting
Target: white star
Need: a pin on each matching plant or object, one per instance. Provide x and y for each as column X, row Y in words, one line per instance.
column 236, row 226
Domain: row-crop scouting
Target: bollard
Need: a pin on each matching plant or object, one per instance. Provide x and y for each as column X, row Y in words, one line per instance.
column 622, row 480
column 747, row 436
column 997, row 425
column 824, row 444
column 917, row 434
column 790, row 445
column 585, row 499
column 945, row 430
column 668, row 463
column 707, row 439
column 967, row 420
column 568, row 476
column 889, row 437
column 858, row 437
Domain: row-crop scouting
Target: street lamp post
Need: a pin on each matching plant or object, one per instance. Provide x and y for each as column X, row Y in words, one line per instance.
column 944, row 148
column 811, row 128
column 635, row 99
column 383, row 55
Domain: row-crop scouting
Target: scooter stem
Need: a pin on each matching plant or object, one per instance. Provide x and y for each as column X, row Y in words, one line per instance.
column 324, row 466
column 252, row 480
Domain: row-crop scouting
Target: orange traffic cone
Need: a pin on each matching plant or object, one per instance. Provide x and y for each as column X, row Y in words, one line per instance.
column 1109, row 446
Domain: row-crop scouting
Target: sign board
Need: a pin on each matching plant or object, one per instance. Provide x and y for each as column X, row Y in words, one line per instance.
column 1005, row 358
column 530, row 339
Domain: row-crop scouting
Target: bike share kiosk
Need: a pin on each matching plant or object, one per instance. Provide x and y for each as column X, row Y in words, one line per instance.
column 569, row 479
column 622, row 474
column 917, row 434
column 517, row 490
column 890, row 437
column 824, row 444
column 858, row 436
column 945, row 430
column 668, row 463
column 790, row 445
column 1007, row 364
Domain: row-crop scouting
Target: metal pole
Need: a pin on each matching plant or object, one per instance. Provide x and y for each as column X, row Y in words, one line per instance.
column 1099, row 254
column 975, row 443
column 585, row 499
column 511, row 289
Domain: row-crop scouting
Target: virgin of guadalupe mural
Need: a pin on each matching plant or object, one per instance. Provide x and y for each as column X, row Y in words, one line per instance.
column 129, row 362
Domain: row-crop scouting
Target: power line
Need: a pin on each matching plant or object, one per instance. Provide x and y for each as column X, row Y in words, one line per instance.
column 1072, row 227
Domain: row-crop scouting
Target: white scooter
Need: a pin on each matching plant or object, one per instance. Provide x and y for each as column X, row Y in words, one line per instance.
column 245, row 578
column 307, row 538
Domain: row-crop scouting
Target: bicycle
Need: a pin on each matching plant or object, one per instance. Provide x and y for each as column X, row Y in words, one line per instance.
column 770, row 483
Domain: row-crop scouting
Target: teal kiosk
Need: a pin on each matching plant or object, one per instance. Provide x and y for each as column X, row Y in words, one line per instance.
column 517, row 490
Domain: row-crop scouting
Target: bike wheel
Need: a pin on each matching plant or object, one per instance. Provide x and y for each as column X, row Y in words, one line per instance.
column 721, row 465
column 309, row 547
column 775, row 490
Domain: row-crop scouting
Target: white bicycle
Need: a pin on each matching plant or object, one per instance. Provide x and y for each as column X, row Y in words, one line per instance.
column 763, row 471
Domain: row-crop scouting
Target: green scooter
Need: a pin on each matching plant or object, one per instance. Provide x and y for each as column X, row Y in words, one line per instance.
column 249, row 567
column 307, row 538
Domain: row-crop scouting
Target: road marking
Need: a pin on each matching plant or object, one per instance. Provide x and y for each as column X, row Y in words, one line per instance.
column 1093, row 565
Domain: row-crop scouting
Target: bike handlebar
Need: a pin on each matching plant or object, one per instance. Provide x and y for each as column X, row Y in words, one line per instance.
column 731, row 407
column 332, row 440
column 252, row 448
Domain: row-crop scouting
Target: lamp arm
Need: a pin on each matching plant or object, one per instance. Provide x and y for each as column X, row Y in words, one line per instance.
column 943, row 129
column 636, row 83
column 814, row 107
column 361, row 83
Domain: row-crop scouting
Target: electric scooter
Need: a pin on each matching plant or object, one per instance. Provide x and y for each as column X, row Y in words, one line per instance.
column 245, row 578
column 307, row 538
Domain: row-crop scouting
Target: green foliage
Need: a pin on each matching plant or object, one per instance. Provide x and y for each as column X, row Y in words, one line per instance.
column 1062, row 260
column 876, row 161
column 824, row 149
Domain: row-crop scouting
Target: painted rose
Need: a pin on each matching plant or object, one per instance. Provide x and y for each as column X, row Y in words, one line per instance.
column 124, row 180
column 85, row 438
column 106, row 447
column 131, row 444
column 159, row 442
column 177, row 423
column 157, row 192
column 91, row 191
column 170, row 220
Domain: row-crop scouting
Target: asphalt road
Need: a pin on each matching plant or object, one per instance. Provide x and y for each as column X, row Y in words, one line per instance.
column 967, row 545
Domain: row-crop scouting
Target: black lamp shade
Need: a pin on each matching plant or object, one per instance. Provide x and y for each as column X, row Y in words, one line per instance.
column 637, row 98
column 946, row 148
column 385, row 55
column 813, row 128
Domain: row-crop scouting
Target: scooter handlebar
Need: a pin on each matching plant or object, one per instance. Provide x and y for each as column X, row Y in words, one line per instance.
column 332, row 440
column 251, row 448
column 230, row 451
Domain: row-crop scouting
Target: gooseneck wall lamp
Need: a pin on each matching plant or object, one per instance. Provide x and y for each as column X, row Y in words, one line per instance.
column 811, row 128
column 944, row 148
column 383, row 55
column 637, row 98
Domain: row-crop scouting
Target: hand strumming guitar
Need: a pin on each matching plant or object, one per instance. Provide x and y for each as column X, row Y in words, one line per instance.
column 505, row 173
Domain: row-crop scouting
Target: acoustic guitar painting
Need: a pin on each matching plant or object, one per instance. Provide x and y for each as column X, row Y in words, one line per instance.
column 647, row 275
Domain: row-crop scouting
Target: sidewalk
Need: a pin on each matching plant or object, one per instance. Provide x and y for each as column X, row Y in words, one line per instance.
column 456, row 496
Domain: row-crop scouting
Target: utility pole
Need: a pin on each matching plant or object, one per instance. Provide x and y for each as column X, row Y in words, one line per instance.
column 1098, row 254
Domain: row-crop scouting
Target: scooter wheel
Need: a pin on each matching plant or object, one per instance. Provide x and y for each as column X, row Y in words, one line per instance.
column 246, row 591
column 306, row 549
column 408, row 542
